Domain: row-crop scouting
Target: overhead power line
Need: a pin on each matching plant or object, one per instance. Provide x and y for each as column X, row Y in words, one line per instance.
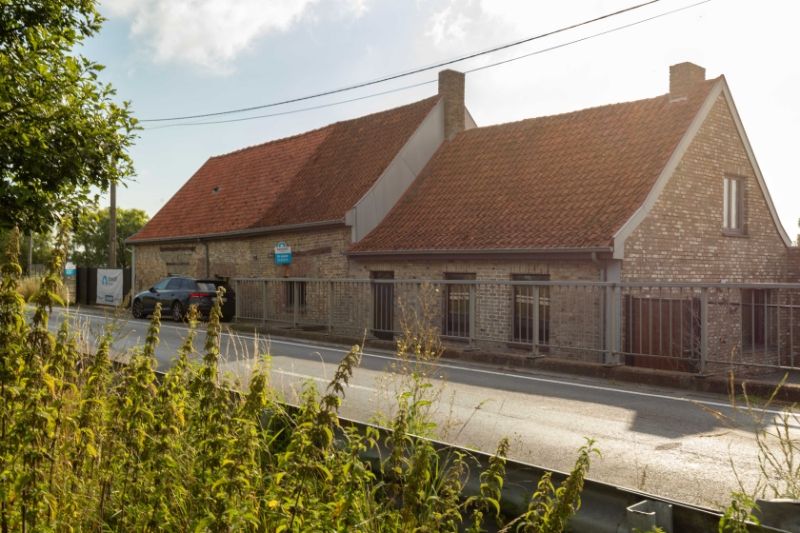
column 408, row 72
column 420, row 84
column 293, row 111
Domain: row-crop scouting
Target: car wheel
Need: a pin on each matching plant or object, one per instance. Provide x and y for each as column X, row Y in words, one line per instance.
column 137, row 310
column 177, row 312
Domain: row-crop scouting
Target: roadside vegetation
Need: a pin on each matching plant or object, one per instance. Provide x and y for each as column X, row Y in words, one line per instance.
column 87, row 445
column 29, row 286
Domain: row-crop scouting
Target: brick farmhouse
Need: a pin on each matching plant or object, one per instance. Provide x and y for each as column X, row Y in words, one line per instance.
column 661, row 190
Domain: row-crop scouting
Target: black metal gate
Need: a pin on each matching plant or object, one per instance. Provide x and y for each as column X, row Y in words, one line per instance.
column 383, row 306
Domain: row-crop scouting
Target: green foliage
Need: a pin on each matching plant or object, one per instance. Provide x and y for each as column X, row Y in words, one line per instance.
column 87, row 447
column 42, row 247
column 738, row 514
column 61, row 135
column 92, row 236
column 488, row 501
column 551, row 508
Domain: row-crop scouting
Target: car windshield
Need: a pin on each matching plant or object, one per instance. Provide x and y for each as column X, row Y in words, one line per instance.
column 206, row 286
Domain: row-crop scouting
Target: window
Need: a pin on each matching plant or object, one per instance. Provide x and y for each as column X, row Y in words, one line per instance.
column 457, row 306
column 295, row 287
column 732, row 205
column 161, row 285
column 175, row 284
column 188, row 285
column 527, row 300
column 759, row 319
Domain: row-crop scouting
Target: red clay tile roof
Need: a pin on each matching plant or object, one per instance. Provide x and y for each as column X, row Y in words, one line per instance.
column 558, row 182
column 313, row 177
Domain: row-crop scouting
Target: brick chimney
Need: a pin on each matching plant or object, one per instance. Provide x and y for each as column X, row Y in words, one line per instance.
column 451, row 91
column 683, row 77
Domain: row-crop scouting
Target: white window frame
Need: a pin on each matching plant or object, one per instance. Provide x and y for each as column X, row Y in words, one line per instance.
column 733, row 204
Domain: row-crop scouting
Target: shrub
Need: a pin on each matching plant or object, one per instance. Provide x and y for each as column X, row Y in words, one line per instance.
column 87, row 447
column 29, row 286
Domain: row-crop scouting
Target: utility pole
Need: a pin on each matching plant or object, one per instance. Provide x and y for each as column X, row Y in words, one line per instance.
column 112, row 227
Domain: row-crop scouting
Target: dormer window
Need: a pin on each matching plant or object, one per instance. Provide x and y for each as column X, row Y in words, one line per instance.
column 732, row 205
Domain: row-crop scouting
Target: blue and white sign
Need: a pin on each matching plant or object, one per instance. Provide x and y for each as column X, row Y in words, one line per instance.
column 69, row 270
column 109, row 286
column 283, row 254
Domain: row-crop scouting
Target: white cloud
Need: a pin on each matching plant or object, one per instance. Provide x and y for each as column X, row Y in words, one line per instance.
column 211, row 33
column 356, row 7
column 448, row 25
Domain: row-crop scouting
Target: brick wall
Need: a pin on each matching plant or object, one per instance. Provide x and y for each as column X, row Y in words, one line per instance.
column 317, row 254
column 793, row 264
column 575, row 328
column 682, row 240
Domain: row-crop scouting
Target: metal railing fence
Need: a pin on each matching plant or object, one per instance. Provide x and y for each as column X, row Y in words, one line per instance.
column 690, row 327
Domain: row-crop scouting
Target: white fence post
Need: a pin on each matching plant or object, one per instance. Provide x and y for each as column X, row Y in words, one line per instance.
column 535, row 320
column 611, row 318
column 264, row 311
column 238, row 311
column 703, row 329
column 296, row 302
column 330, row 307
column 472, row 322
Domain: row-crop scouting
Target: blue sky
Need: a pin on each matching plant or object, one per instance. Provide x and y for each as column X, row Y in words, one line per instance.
column 179, row 57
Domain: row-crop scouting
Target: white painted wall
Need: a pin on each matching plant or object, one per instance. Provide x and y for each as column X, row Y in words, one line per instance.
column 401, row 172
column 397, row 177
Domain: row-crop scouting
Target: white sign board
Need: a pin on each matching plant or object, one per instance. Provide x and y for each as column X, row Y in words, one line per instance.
column 109, row 286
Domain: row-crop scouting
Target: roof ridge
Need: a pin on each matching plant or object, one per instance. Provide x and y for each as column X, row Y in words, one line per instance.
column 319, row 129
column 708, row 82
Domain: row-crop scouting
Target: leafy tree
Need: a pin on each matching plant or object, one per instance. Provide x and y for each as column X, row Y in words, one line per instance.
column 42, row 247
column 92, row 233
column 62, row 138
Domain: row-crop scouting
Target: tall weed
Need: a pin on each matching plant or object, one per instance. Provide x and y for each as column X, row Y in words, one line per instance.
column 89, row 447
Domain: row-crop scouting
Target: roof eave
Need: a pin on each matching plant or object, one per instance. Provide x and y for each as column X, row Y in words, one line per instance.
column 249, row 232
column 496, row 253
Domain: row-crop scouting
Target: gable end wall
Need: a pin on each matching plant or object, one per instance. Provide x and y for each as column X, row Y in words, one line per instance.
column 681, row 238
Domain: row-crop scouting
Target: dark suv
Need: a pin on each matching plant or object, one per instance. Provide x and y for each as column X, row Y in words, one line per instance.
column 177, row 293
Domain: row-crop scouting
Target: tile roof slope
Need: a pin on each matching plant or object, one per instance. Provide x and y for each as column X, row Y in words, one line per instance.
column 316, row 176
column 562, row 181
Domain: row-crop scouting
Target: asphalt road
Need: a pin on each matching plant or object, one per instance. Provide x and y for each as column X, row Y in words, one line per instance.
column 675, row 444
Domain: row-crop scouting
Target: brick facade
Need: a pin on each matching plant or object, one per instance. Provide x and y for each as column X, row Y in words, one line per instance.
column 316, row 254
column 574, row 330
column 682, row 239
column 793, row 264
